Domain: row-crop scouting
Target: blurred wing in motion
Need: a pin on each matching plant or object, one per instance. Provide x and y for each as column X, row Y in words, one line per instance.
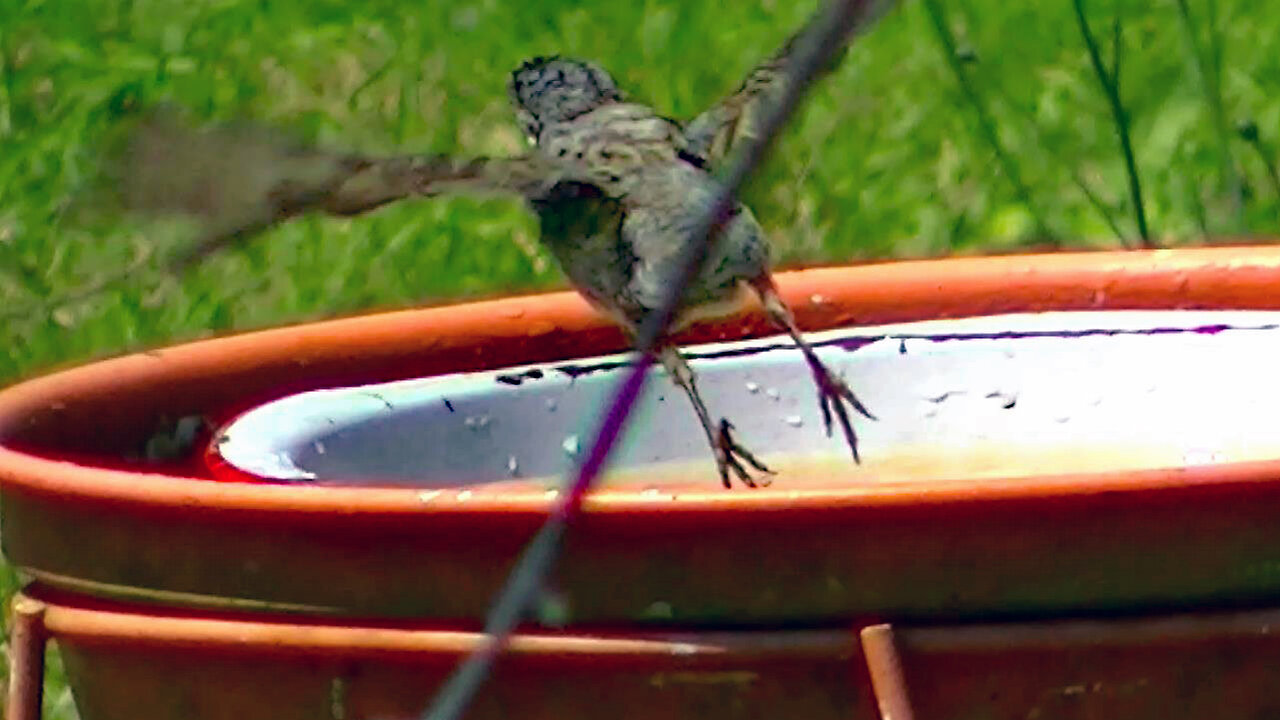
column 237, row 180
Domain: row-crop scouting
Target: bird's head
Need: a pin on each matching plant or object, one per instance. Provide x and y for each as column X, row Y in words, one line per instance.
column 549, row 90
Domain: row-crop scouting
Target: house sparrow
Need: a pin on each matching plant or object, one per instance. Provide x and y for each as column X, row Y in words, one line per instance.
column 617, row 189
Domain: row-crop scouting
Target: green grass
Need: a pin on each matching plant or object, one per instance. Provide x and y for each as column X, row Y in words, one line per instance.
column 1006, row 141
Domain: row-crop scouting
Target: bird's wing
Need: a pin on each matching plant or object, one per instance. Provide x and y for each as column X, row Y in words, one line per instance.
column 240, row 180
column 712, row 136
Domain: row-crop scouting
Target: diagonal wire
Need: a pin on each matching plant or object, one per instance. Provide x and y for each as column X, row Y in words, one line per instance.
column 826, row 33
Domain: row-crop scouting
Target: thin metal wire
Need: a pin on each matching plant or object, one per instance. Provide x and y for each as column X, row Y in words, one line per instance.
column 825, row 34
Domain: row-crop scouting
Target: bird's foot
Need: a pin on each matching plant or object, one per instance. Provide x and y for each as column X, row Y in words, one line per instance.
column 833, row 395
column 730, row 456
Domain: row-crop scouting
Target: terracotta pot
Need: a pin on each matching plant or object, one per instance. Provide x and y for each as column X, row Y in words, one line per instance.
column 1052, row 537
column 129, row 662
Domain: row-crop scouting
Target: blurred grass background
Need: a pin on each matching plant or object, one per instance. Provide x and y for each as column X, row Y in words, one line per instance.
column 972, row 127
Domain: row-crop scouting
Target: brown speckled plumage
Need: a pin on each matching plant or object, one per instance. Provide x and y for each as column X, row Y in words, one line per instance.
column 617, row 189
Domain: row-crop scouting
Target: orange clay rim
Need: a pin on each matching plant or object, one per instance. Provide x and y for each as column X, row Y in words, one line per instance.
column 98, row 622
column 1239, row 278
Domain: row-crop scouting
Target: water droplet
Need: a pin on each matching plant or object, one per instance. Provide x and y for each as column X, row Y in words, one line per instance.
column 464, row 496
column 794, row 420
column 684, row 649
column 478, row 422
column 651, row 493
column 817, row 299
column 773, row 394
column 1202, row 457
column 513, row 467
column 551, row 404
column 319, row 447
column 513, row 313
column 571, row 445
column 753, row 388
column 429, row 495
column 551, row 494
column 1006, row 400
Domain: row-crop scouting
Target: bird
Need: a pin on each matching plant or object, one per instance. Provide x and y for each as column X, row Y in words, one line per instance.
column 617, row 189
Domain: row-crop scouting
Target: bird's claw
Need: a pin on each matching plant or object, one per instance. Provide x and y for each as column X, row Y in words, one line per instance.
column 833, row 393
column 729, row 456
